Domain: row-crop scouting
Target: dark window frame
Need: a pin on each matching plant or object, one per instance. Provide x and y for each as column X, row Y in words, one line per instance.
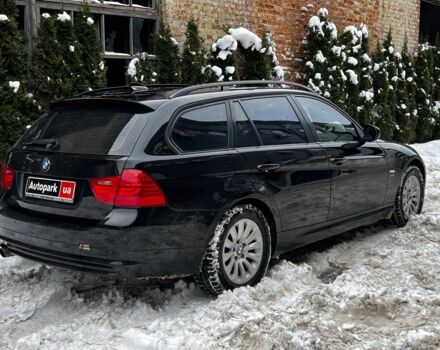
column 312, row 127
column 181, row 111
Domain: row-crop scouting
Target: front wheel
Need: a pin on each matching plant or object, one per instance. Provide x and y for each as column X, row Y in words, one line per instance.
column 239, row 252
column 410, row 196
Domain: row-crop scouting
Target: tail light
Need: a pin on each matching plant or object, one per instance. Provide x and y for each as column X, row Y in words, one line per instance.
column 6, row 177
column 133, row 189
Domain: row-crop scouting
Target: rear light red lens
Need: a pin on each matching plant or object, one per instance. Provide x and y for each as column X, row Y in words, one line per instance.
column 133, row 189
column 6, row 177
column 105, row 189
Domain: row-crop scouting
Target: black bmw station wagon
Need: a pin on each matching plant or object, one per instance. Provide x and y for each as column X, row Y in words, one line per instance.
column 210, row 180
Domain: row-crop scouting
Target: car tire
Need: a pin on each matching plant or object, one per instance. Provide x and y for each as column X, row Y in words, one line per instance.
column 238, row 253
column 410, row 196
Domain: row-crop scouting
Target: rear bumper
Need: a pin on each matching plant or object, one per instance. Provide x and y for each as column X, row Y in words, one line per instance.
column 129, row 252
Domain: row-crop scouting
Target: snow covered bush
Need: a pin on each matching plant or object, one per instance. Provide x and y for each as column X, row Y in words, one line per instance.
column 424, row 65
column 324, row 57
column 385, row 84
column 243, row 55
column 406, row 112
column 356, row 65
column 392, row 90
column 436, row 88
column 167, row 55
column 193, row 55
column 17, row 107
column 47, row 69
column 90, row 54
column 73, row 74
column 141, row 69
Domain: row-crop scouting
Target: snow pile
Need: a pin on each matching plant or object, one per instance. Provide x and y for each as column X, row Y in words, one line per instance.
column 320, row 24
column 246, row 38
column 63, row 17
column 376, row 288
column 226, row 45
column 131, row 70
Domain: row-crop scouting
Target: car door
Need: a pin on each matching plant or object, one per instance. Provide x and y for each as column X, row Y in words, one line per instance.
column 274, row 144
column 358, row 174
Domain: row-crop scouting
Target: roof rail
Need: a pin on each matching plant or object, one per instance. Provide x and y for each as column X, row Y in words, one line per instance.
column 188, row 90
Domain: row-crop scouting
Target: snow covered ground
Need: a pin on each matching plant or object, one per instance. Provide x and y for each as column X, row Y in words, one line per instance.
column 376, row 288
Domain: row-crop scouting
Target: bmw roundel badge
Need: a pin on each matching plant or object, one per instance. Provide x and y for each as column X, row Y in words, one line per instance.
column 45, row 165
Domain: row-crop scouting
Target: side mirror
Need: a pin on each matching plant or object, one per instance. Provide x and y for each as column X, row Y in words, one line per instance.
column 371, row 133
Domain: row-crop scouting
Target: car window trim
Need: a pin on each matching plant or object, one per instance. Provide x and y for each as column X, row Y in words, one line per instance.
column 169, row 140
column 234, row 122
column 292, row 105
column 356, row 125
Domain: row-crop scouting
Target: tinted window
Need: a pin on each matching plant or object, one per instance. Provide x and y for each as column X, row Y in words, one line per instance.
column 246, row 135
column 330, row 124
column 202, row 129
column 275, row 120
column 87, row 130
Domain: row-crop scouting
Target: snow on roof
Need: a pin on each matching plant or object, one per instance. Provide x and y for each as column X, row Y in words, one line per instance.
column 63, row 17
column 3, row 18
column 246, row 38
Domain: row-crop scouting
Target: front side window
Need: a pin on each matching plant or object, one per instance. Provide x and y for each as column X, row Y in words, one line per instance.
column 202, row 129
column 330, row 124
column 275, row 120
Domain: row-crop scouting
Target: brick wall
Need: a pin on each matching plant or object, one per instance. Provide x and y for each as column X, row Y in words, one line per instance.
column 403, row 17
column 287, row 20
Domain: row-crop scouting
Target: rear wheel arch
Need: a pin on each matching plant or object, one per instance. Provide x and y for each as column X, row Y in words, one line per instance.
column 270, row 217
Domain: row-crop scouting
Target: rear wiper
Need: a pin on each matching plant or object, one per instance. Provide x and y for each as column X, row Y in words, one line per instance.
column 45, row 143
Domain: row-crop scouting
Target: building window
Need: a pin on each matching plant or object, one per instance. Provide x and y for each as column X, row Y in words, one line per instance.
column 143, row 30
column 429, row 21
column 117, row 37
column 121, row 36
column 144, row 3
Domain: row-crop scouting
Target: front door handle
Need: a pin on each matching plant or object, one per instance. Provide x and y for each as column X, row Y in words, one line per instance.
column 267, row 168
column 337, row 160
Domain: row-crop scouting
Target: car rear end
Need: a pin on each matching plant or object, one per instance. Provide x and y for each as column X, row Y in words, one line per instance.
column 67, row 199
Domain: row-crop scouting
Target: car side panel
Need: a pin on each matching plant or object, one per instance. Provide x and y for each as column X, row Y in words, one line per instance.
column 359, row 181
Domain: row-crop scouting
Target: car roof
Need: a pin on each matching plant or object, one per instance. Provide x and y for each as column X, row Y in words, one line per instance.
column 154, row 95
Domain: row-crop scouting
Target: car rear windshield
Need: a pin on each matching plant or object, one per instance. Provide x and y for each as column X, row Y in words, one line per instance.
column 85, row 130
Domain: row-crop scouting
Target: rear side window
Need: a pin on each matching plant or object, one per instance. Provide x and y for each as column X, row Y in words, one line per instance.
column 275, row 120
column 202, row 129
column 86, row 130
column 330, row 124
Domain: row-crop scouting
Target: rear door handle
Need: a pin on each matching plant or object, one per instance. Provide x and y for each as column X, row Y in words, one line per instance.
column 267, row 168
column 337, row 160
